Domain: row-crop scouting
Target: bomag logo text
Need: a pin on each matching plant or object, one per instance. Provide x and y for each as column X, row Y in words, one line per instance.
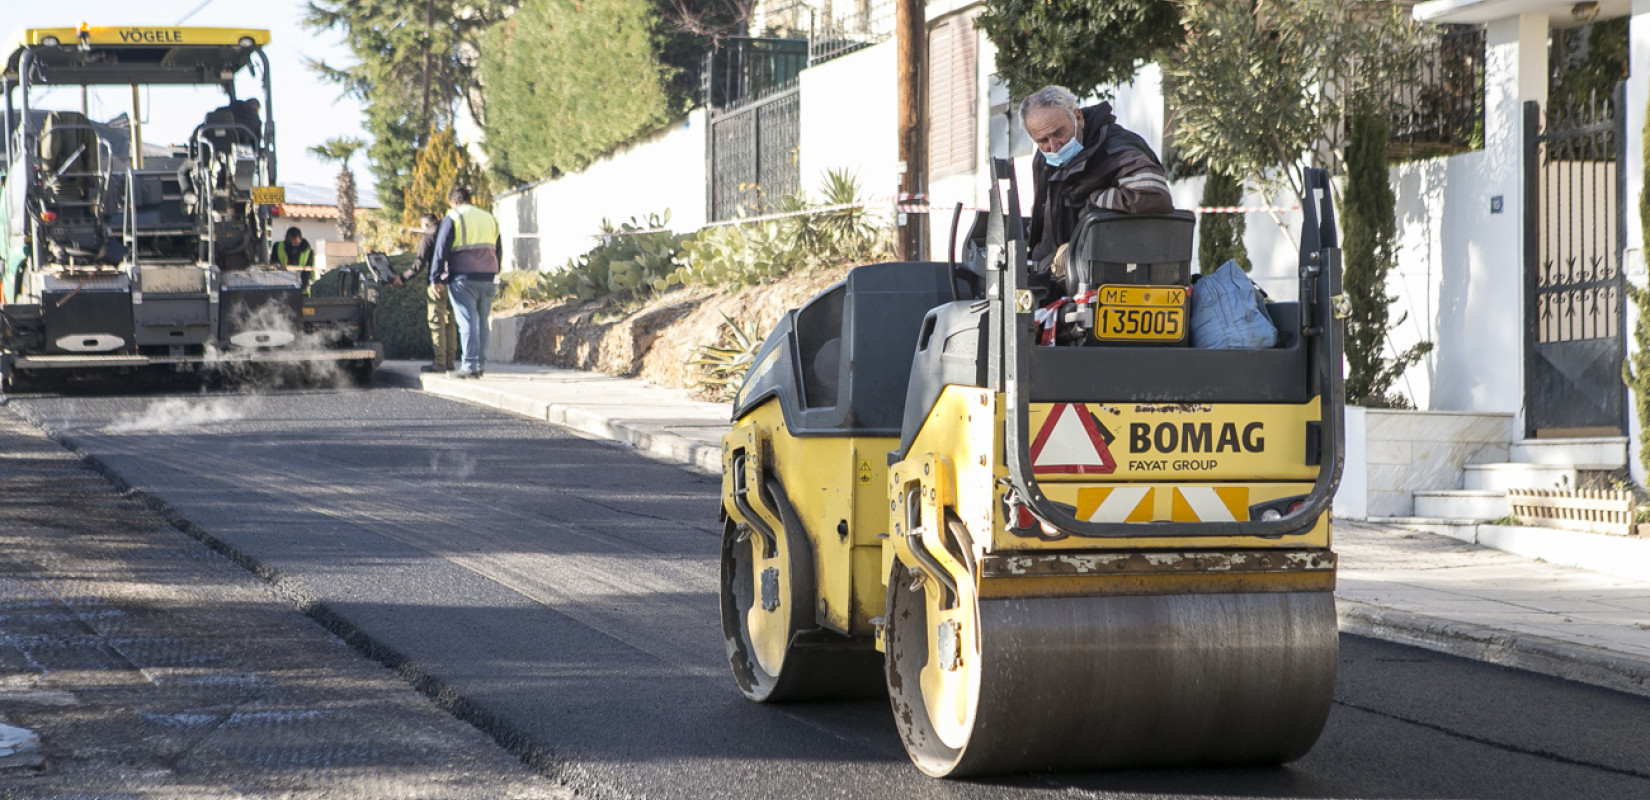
column 1196, row 437
column 151, row 36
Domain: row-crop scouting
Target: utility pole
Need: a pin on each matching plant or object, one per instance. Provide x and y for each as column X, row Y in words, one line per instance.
column 911, row 46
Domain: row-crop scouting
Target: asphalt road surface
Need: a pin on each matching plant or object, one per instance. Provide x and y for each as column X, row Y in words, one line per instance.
column 560, row 594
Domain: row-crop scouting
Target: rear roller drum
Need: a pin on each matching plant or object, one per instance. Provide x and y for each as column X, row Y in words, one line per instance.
column 1029, row 684
column 775, row 646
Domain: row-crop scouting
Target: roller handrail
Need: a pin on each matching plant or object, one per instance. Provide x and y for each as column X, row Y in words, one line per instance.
column 1320, row 277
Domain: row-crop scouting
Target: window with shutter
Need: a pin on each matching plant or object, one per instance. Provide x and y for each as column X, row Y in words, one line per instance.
column 952, row 95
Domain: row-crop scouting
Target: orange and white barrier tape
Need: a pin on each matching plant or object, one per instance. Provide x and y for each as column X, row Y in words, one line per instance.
column 907, row 208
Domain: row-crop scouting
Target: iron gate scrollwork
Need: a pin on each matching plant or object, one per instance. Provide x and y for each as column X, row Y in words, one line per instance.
column 1575, row 210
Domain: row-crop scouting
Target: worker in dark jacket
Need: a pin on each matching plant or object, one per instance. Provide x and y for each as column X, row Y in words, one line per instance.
column 466, row 259
column 294, row 253
column 1084, row 158
column 443, row 330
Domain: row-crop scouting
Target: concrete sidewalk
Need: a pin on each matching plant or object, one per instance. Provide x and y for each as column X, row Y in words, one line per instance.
column 1396, row 584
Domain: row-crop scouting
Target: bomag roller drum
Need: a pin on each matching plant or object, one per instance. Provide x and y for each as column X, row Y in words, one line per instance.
column 1057, row 534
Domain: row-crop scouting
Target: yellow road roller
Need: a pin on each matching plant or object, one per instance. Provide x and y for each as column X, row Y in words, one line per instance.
column 1059, row 535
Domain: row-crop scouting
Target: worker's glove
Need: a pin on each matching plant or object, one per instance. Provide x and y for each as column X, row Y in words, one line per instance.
column 1058, row 265
column 438, row 292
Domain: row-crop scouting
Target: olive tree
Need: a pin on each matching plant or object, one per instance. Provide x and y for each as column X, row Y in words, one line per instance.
column 1260, row 85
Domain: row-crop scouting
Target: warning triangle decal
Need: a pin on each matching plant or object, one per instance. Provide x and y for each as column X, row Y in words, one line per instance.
column 1072, row 441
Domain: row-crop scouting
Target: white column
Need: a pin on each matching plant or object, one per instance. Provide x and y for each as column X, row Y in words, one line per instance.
column 1484, row 319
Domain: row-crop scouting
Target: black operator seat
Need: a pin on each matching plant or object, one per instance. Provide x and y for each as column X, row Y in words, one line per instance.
column 1109, row 247
column 68, row 152
column 854, row 343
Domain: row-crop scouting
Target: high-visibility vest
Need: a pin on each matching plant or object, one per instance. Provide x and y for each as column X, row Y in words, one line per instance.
column 305, row 256
column 472, row 228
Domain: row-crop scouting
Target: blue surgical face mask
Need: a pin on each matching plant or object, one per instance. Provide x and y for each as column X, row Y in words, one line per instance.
column 1067, row 152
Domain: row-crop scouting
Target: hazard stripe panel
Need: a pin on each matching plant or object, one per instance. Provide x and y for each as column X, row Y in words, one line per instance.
column 1116, row 504
column 1210, row 504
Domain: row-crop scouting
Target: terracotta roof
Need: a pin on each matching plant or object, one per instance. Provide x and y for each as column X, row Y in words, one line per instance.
column 304, row 211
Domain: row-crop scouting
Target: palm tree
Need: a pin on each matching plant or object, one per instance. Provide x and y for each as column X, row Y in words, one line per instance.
column 340, row 149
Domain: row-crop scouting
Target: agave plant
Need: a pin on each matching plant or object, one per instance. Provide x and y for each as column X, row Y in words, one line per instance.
column 725, row 362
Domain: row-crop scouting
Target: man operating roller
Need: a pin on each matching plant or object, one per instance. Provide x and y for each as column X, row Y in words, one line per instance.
column 1084, row 158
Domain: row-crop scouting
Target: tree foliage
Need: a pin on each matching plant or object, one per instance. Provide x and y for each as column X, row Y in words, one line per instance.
column 569, row 81
column 1369, row 224
column 1603, row 49
column 340, row 150
column 1220, row 236
column 440, row 165
column 414, row 63
column 1082, row 45
column 1260, row 84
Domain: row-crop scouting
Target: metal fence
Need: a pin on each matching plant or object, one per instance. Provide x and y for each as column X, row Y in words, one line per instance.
column 754, row 155
column 744, row 69
column 840, row 28
column 1442, row 112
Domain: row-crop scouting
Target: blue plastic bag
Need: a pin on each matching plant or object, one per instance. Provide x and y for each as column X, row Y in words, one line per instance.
column 1229, row 312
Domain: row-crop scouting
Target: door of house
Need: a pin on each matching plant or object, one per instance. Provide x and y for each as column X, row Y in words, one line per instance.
column 1574, row 217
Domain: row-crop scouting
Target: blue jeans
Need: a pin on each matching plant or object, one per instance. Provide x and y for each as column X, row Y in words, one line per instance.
column 472, row 300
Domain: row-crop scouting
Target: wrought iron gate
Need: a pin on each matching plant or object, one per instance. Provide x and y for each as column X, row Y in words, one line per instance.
column 752, row 90
column 1574, row 219
column 753, row 155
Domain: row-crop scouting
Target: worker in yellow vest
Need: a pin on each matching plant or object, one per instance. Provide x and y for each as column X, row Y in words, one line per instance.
column 294, row 252
column 466, row 260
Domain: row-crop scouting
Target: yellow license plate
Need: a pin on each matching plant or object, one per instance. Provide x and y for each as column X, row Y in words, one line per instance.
column 1140, row 314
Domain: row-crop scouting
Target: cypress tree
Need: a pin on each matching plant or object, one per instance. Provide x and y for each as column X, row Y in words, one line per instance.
column 1369, row 225
column 1220, row 236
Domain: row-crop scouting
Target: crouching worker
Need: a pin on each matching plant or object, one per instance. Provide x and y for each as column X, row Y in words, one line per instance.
column 1084, row 158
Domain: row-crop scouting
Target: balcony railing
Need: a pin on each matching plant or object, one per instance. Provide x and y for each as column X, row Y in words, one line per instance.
column 1443, row 111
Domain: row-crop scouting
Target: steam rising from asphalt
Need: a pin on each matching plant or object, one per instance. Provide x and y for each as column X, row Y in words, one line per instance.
column 276, row 320
column 177, row 413
column 451, row 463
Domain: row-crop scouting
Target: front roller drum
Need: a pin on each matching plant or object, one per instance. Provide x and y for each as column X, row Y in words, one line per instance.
column 1083, row 683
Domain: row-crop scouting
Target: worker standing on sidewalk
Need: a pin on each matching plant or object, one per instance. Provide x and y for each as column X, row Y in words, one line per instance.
column 466, row 259
column 443, row 329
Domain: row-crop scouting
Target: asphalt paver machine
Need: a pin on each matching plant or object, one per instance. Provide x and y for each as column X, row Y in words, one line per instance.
column 123, row 258
column 1059, row 541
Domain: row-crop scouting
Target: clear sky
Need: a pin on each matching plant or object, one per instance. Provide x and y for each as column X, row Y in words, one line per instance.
column 307, row 110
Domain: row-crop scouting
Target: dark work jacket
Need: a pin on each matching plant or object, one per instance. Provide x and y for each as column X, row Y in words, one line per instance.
column 1110, row 152
column 425, row 257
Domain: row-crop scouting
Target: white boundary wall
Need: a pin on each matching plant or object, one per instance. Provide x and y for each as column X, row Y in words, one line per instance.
column 665, row 172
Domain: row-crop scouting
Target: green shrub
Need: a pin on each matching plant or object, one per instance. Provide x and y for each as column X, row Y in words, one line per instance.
column 554, row 105
column 625, row 263
column 726, row 362
column 399, row 316
column 738, row 255
column 742, row 254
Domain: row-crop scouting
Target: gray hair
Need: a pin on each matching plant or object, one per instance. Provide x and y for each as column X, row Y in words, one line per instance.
column 1050, row 97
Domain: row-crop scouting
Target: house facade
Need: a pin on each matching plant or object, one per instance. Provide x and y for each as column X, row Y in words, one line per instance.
column 1514, row 250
